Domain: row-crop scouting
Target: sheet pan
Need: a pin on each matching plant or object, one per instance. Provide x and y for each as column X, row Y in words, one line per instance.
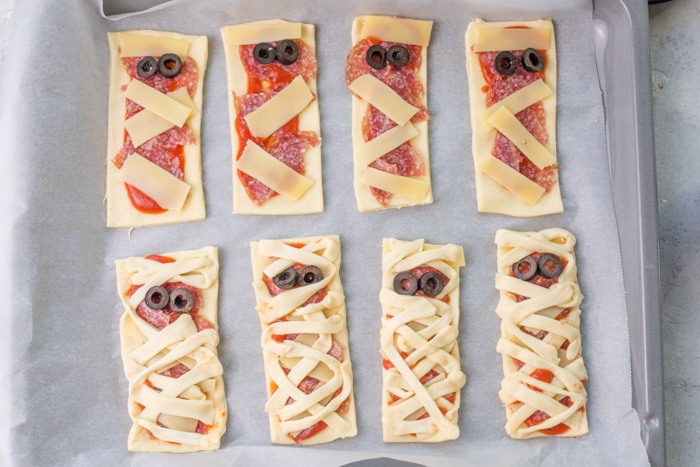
column 616, row 23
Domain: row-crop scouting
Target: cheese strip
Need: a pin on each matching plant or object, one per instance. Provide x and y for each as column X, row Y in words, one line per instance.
column 145, row 125
column 258, row 163
column 141, row 45
column 492, row 39
column 183, row 97
column 513, row 181
column 160, row 104
column 280, row 109
column 385, row 143
column 411, row 188
column 511, row 128
column 519, row 100
column 402, row 30
column 383, row 98
column 158, row 184
column 254, row 33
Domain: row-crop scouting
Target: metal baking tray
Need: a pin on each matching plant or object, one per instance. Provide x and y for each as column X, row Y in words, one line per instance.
column 621, row 29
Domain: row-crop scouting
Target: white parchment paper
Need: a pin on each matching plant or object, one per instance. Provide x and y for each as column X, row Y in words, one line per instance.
column 66, row 383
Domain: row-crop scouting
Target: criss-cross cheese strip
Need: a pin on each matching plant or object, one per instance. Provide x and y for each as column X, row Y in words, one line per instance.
column 320, row 326
column 281, row 108
column 419, row 335
column 165, row 419
column 146, row 125
column 523, row 394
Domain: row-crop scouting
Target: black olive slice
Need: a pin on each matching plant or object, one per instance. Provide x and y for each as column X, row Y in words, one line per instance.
column 157, row 297
column 525, row 269
column 309, row 275
column 264, row 53
column 397, row 55
column 405, row 283
column 286, row 279
column 376, row 57
column 181, row 300
column 431, row 283
column 533, row 61
column 147, row 67
column 550, row 265
column 287, row 52
column 169, row 65
column 506, row 63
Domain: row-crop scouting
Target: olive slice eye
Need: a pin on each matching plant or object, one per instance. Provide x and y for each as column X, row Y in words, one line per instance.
column 157, row 297
column 147, row 67
column 264, row 53
column 286, row 279
column 397, row 55
column 169, row 65
column 532, row 61
column 309, row 275
column 181, row 300
column 506, row 63
column 287, row 52
column 376, row 57
column 431, row 283
column 525, row 269
column 405, row 283
column 550, row 266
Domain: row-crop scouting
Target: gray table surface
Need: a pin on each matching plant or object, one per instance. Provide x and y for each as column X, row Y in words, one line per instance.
column 675, row 48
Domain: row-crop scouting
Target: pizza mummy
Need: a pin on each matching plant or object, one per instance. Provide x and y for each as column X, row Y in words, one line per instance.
column 169, row 334
column 544, row 375
column 275, row 123
column 386, row 71
column 512, row 93
column 421, row 375
column 301, row 307
column 155, row 112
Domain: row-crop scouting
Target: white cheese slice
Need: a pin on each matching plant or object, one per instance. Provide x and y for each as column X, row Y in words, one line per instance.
column 158, row 184
column 254, row 33
column 258, row 163
column 280, row 109
column 402, row 30
column 493, row 39
column 386, row 142
column 383, row 98
column 183, row 97
column 511, row 128
column 519, row 100
column 512, row 180
column 141, row 45
column 411, row 188
column 144, row 126
column 174, row 422
column 160, row 104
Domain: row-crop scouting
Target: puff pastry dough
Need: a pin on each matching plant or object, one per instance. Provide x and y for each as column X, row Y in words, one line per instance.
column 305, row 341
column 544, row 374
column 164, row 122
column 422, row 376
column 176, row 391
column 262, row 183
column 513, row 116
column 391, row 161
